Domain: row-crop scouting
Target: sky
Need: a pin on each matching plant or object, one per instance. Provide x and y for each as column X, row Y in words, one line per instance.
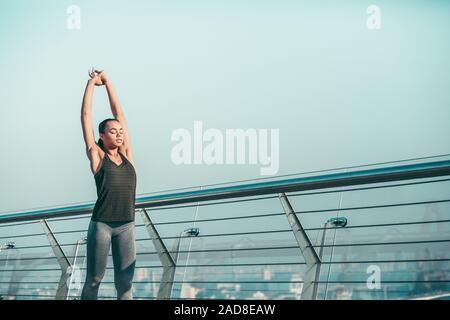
column 339, row 93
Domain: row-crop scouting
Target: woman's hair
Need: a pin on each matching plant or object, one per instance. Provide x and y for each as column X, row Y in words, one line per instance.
column 101, row 129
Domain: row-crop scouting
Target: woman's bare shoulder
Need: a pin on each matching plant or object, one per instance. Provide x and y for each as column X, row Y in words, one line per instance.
column 95, row 152
column 96, row 156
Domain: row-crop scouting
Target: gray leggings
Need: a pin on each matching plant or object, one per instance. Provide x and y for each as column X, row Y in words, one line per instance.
column 101, row 236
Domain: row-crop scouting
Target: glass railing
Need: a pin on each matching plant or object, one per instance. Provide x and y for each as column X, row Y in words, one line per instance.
column 372, row 232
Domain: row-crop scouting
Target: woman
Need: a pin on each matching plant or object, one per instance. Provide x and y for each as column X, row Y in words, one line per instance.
column 112, row 221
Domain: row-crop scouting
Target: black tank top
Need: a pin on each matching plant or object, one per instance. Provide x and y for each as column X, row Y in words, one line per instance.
column 116, row 191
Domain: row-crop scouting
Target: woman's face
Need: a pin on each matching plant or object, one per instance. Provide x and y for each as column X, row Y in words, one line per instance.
column 113, row 135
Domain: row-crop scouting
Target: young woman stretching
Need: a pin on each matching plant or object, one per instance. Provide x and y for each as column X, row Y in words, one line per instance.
column 112, row 221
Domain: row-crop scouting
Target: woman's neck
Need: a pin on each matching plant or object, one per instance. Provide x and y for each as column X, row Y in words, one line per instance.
column 113, row 152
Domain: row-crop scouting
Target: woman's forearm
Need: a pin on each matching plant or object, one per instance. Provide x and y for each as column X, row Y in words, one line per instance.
column 114, row 103
column 86, row 107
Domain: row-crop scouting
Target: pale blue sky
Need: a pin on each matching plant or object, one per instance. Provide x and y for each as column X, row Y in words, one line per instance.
column 340, row 94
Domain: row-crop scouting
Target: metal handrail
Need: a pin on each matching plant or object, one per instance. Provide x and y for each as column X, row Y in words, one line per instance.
column 359, row 177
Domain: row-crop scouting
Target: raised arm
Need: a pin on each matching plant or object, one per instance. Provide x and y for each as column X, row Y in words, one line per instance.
column 116, row 110
column 86, row 111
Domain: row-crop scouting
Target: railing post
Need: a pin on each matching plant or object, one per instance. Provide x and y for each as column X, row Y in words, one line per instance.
column 75, row 270
column 312, row 276
column 62, row 291
column 15, row 277
column 312, row 259
column 167, row 260
column 14, row 281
